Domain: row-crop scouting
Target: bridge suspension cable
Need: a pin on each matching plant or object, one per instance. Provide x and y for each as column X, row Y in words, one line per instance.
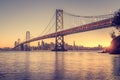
column 48, row 26
column 73, row 20
column 98, row 16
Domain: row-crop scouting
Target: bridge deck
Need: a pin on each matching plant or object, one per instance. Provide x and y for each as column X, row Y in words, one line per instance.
column 88, row 27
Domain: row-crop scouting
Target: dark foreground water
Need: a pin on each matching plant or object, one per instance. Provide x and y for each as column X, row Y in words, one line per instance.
column 79, row 65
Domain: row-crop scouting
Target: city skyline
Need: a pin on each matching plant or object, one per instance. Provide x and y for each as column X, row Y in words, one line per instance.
column 17, row 17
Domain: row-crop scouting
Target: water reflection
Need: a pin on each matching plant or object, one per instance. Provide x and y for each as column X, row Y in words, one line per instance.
column 59, row 66
column 116, row 67
column 26, row 73
column 87, row 66
column 18, row 67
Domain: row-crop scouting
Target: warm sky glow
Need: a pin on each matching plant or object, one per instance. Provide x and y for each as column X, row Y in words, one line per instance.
column 19, row 16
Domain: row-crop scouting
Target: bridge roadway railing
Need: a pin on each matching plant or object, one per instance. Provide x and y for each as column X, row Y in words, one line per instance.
column 87, row 27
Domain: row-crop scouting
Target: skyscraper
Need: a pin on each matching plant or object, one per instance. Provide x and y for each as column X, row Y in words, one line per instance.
column 28, row 37
column 27, row 46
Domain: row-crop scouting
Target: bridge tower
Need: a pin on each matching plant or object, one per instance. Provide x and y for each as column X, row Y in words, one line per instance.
column 59, row 39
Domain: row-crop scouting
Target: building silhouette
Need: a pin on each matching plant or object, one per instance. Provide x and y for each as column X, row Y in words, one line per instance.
column 27, row 45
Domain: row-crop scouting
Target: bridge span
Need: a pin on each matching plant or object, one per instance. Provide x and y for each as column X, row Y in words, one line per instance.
column 59, row 34
column 88, row 27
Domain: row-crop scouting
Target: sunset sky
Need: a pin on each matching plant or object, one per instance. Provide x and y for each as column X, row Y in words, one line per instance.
column 19, row 16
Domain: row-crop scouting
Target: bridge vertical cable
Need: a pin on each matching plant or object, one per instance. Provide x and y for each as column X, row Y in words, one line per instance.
column 72, row 20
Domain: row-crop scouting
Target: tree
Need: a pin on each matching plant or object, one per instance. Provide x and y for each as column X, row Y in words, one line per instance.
column 113, row 35
column 116, row 19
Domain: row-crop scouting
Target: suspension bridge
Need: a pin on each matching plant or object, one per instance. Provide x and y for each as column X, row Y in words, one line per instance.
column 94, row 23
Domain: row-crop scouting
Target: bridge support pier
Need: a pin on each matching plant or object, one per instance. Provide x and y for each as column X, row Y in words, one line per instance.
column 59, row 39
column 59, row 45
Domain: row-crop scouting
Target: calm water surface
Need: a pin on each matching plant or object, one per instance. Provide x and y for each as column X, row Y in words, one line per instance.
column 45, row 65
